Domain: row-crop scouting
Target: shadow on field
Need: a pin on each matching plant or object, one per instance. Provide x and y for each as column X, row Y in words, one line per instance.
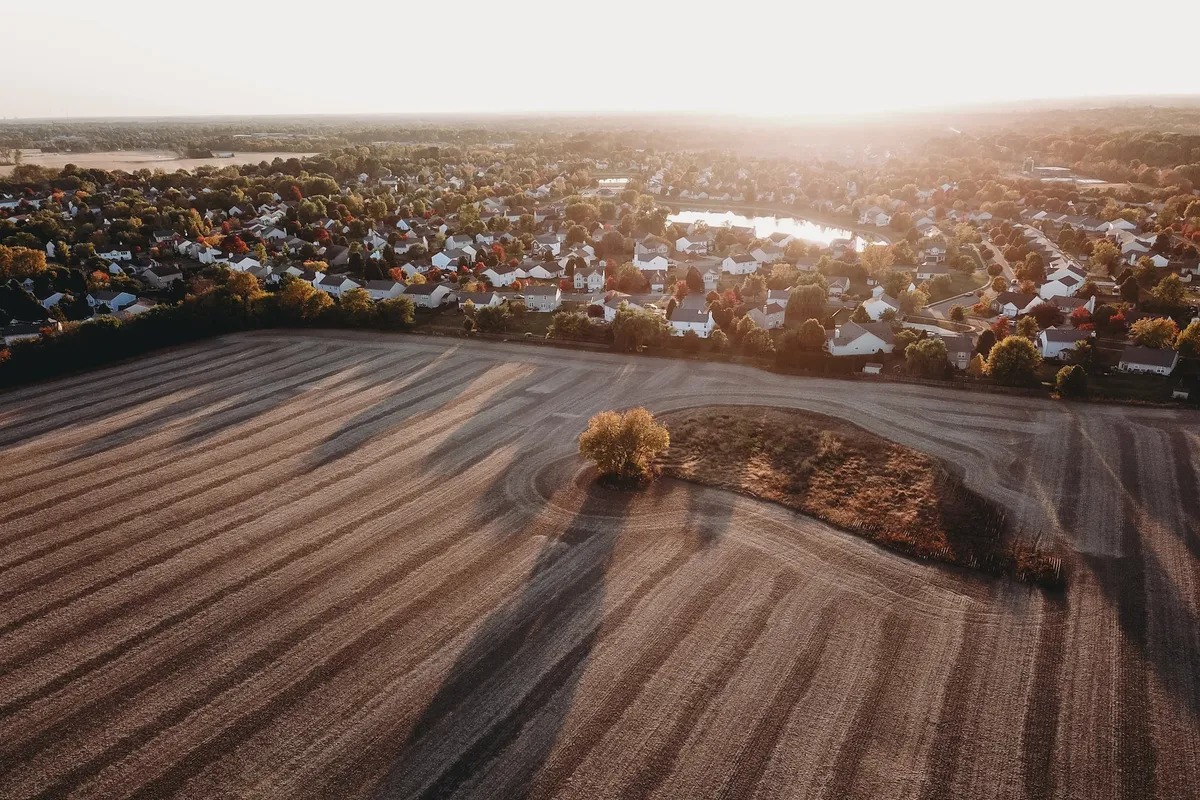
column 517, row 676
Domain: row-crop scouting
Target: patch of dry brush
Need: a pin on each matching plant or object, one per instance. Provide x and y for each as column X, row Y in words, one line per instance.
column 837, row 472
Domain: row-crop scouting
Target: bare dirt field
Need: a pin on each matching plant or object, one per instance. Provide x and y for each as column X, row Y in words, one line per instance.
column 132, row 160
column 298, row 565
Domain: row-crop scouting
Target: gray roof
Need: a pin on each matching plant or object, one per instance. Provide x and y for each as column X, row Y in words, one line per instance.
column 542, row 291
column 1065, row 334
column 1149, row 356
column 853, row 330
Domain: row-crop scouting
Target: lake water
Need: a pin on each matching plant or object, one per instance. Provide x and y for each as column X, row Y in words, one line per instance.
column 764, row 226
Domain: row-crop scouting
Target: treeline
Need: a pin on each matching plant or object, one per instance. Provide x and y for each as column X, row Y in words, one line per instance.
column 239, row 304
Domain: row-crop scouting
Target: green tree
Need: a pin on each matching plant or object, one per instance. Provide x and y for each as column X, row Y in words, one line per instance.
column 1130, row 290
column 1170, row 291
column 1071, row 381
column 805, row 302
column 957, row 313
column 1155, row 332
column 860, row 314
column 635, row 328
column 1027, row 327
column 1188, row 341
column 493, row 319
column 396, row 312
column 811, row 336
column 1106, row 254
column 624, row 446
column 1014, row 361
column 758, row 342
column 356, row 306
column 927, row 358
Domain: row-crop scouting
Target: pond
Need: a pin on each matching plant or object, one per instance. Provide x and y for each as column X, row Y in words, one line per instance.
column 764, row 226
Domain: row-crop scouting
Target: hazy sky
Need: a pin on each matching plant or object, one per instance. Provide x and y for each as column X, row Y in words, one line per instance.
column 776, row 58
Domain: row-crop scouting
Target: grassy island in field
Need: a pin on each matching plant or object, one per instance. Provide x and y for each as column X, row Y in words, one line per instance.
column 839, row 473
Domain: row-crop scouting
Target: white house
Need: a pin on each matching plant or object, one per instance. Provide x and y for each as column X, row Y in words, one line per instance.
column 543, row 270
column 160, row 276
column 648, row 261
column 547, row 243
column 1063, row 286
column 880, row 303
column 542, row 298
column 335, row 285
column 115, row 301
column 767, row 254
column 589, row 279
column 712, row 278
column 1013, row 304
column 838, row 286
column 480, row 299
column 427, row 295
column 49, row 298
column 740, row 264
column 1149, row 360
column 651, row 245
column 768, row 317
column 447, row 258
column 116, row 255
column 693, row 244
column 657, row 279
column 500, row 276
column 1055, row 343
column 927, row 272
column 384, row 290
column 860, row 339
column 690, row 318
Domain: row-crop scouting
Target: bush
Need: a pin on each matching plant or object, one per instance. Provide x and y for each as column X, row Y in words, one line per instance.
column 1071, row 381
column 624, row 446
column 927, row 358
column 398, row 312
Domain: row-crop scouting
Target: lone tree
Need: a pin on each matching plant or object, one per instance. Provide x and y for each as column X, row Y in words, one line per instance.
column 624, row 446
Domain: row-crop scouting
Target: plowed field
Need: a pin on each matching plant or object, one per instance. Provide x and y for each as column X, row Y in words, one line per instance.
column 300, row 565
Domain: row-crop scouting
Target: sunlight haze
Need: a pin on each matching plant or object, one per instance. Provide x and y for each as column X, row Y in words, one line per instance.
column 751, row 58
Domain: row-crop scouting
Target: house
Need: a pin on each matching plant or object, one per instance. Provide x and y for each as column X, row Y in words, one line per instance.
column 240, row 263
column 1055, row 342
column 693, row 244
column 113, row 301
column 451, row 258
column 927, row 272
column 1014, row 304
column 461, row 241
column 932, row 254
column 27, row 331
column 500, row 275
column 959, row 348
column 740, row 264
column 712, row 278
column 769, row 317
column 543, row 270
column 335, row 285
column 427, row 295
column 767, row 254
column 612, row 304
column 860, row 339
column 779, row 296
column 691, row 317
column 160, row 276
column 657, row 279
column 384, row 290
column 139, row 306
column 1149, row 360
column 1065, row 286
column 547, row 243
column 1068, row 304
column 542, row 298
column 480, row 299
column 838, row 286
column 589, row 279
column 647, row 261
column 880, row 303
column 652, row 245
column 781, row 239
column 159, row 237
column 49, row 298
column 116, row 255
column 875, row 216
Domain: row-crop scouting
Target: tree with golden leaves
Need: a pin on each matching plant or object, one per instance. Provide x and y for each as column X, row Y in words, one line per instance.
column 624, row 445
